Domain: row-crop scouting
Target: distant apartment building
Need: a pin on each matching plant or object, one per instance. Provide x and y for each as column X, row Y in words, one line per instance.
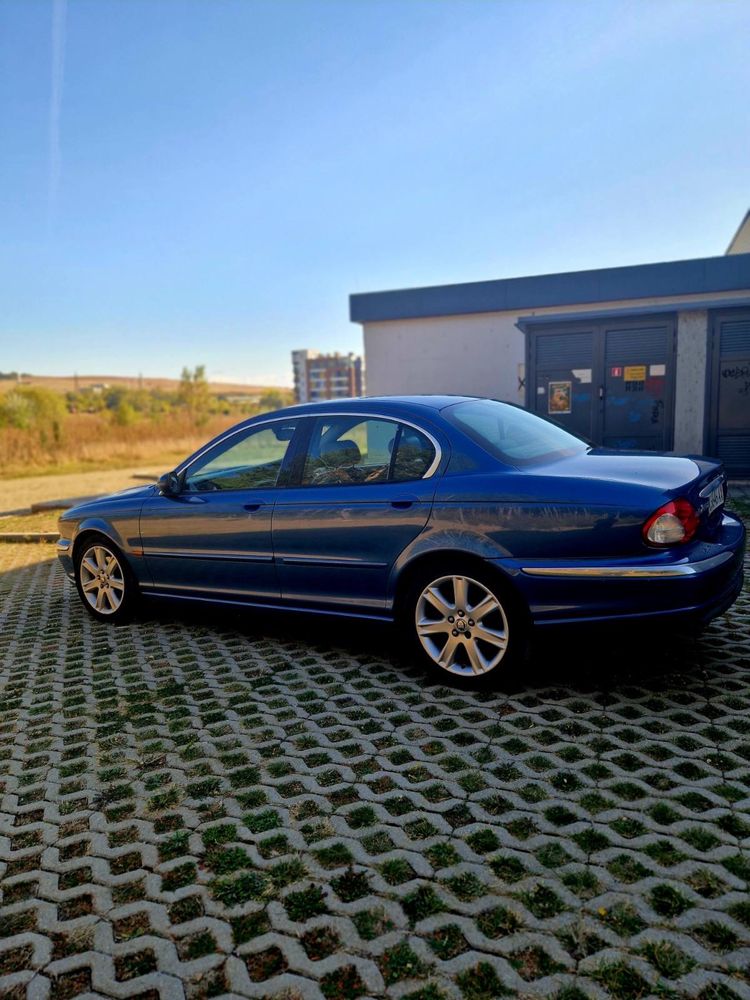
column 326, row 376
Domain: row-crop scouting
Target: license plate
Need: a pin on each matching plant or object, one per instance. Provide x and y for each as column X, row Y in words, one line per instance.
column 715, row 498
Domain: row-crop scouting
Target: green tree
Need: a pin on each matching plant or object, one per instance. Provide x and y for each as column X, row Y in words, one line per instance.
column 193, row 393
column 274, row 399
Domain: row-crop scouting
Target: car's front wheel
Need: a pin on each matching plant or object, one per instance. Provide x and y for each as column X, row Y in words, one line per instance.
column 105, row 583
column 465, row 625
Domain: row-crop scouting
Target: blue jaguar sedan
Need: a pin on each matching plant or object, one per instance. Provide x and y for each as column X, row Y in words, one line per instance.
column 467, row 521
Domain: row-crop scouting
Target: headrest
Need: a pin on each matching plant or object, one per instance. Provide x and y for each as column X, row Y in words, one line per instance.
column 341, row 453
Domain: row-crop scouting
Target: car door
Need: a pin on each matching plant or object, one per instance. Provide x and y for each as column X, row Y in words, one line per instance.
column 214, row 536
column 364, row 491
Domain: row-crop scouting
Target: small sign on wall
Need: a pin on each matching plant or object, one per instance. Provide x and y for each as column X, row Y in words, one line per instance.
column 635, row 373
column 559, row 399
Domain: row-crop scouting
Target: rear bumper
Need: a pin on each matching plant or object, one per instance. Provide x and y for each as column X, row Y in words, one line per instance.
column 697, row 586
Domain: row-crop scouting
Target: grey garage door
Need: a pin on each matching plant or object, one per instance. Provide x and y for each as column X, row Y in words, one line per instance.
column 612, row 382
column 729, row 399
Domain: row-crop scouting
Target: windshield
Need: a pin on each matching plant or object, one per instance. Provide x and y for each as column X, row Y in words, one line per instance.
column 511, row 434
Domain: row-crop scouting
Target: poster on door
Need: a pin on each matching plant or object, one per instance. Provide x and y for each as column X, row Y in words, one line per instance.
column 559, row 399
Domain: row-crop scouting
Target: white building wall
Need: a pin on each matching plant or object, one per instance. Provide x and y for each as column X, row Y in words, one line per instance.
column 741, row 239
column 481, row 354
column 476, row 355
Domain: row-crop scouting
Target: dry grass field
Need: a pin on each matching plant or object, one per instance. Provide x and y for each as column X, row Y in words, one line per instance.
column 73, row 424
column 91, row 442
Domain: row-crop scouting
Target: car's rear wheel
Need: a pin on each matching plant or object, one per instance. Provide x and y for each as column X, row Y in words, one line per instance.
column 105, row 584
column 464, row 624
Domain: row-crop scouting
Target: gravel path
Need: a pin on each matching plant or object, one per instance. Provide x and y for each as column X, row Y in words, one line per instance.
column 16, row 494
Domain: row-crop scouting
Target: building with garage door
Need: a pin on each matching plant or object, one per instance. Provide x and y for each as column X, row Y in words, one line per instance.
column 653, row 356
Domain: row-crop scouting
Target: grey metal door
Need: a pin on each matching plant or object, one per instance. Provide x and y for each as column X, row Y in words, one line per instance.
column 609, row 381
column 562, row 380
column 636, row 387
column 729, row 396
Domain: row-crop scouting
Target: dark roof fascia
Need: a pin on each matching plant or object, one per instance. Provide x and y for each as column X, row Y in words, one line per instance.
column 524, row 322
column 703, row 276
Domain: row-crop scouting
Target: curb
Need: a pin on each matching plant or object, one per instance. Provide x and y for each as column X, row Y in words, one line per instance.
column 15, row 537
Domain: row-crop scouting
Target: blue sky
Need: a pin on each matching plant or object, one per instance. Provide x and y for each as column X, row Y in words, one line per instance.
column 207, row 181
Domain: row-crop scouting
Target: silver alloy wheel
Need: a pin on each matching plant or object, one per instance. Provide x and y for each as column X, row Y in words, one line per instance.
column 102, row 579
column 462, row 625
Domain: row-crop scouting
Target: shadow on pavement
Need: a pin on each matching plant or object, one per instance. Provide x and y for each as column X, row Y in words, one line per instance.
column 583, row 658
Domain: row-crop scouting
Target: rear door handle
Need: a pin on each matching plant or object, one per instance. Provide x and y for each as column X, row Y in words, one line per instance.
column 253, row 506
column 404, row 503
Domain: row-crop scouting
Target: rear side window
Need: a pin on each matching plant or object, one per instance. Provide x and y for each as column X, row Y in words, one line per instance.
column 415, row 454
column 511, row 434
column 349, row 450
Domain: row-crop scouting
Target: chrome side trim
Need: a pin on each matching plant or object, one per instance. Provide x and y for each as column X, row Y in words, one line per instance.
column 679, row 570
column 329, row 561
column 254, row 557
column 328, row 413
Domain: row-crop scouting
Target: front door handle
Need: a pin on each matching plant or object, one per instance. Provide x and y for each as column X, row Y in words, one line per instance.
column 251, row 507
column 404, row 503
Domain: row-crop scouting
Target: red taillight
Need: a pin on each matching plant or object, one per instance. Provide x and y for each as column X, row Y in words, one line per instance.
column 673, row 524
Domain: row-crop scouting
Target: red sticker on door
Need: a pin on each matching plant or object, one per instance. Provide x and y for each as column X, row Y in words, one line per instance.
column 615, row 372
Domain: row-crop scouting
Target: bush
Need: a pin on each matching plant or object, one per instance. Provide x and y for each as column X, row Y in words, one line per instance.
column 33, row 409
column 125, row 414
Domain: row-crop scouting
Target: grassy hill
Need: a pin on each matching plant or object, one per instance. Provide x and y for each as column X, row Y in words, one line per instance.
column 72, row 383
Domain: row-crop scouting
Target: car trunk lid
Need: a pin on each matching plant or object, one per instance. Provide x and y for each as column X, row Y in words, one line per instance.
column 700, row 480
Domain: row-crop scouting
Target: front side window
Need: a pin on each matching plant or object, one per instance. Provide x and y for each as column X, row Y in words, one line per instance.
column 511, row 434
column 349, row 450
column 248, row 461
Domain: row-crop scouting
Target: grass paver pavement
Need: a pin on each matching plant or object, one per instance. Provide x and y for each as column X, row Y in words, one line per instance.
column 207, row 806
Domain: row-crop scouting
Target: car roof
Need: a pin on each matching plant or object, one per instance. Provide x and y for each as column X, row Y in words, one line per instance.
column 391, row 405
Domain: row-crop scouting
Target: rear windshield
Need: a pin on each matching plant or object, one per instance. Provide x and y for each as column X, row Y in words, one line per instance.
column 511, row 434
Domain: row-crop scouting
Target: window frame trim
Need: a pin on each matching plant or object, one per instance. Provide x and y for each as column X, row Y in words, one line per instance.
column 304, row 421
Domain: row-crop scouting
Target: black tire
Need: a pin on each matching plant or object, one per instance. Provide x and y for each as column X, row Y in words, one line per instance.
column 476, row 662
column 105, row 583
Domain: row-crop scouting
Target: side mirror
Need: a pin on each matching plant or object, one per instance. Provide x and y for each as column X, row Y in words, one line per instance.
column 169, row 484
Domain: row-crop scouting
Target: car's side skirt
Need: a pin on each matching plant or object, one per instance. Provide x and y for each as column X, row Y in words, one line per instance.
column 265, row 606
